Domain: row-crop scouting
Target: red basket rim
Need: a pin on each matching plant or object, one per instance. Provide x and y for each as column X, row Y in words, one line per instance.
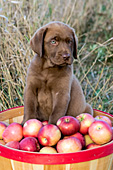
column 58, row 158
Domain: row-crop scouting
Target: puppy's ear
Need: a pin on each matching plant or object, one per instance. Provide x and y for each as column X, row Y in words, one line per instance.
column 75, row 45
column 37, row 41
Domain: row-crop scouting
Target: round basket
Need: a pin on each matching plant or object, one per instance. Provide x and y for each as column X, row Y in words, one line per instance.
column 100, row 158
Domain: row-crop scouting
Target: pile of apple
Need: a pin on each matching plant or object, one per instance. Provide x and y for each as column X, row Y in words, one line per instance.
column 70, row 134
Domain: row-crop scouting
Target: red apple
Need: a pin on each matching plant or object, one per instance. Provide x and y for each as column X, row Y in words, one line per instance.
column 45, row 122
column 29, row 144
column 68, row 125
column 48, row 149
column 88, row 140
column 13, row 144
column 105, row 118
column 31, row 128
column 49, row 135
column 14, row 132
column 100, row 132
column 68, row 145
column 2, row 142
column 92, row 145
column 85, row 121
column 78, row 136
column 2, row 128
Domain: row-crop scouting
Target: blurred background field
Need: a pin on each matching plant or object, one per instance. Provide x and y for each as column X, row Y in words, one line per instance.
column 93, row 23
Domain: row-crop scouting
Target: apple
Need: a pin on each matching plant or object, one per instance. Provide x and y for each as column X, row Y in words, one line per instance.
column 2, row 128
column 29, row 144
column 45, row 122
column 68, row 125
column 100, row 132
column 31, row 128
column 2, row 142
column 14, row 132
column 92, row 145
column 13, row 144
column 105, row 118
column 68, row 145
column 88, row 140
column 49, row 135
column 78, row 136
column 48, row 149
column 85, row 120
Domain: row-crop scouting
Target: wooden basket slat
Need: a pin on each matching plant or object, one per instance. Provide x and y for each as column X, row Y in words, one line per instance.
column 97, row 164
column 11, row 113
column 5, row 164
column 21, row 165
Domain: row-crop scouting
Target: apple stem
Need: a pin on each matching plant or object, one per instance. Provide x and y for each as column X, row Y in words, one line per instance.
column 82, row 118
column 67, row 120
column 98, row 128
column 45, row 139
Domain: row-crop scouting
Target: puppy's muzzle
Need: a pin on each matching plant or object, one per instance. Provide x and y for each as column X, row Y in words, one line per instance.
column 66, row 56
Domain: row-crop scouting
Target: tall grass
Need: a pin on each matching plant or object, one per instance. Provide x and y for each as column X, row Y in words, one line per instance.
column 93, row 23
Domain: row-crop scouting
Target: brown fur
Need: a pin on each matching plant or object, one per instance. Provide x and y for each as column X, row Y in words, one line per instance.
column 52, row 90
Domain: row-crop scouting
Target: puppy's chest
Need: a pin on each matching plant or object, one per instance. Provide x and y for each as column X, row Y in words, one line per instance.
column 45, row 100
column 45, row 94
column 46, row 79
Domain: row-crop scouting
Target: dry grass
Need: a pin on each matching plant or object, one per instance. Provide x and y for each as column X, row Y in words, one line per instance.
column 92, row 20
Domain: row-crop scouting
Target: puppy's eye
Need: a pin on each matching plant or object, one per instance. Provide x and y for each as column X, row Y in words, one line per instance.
column 69, row 42
column 54, row 42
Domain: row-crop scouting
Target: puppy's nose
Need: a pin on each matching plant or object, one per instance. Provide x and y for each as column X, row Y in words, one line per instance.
column 66, row 56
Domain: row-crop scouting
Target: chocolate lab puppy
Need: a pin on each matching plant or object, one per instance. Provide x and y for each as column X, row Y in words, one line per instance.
column 52, row 90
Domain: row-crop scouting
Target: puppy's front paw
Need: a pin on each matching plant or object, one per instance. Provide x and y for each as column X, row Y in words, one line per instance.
column 88, row 109
column 52, row 121
column 24, row 120
column 22, row 123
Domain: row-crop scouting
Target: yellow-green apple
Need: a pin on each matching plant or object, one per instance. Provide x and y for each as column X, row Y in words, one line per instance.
column 14, row 132
column 88, row 140
column 100, row 132
column 31, row 128
column 49, row 135
column 105, row 118
column 85, row 120
column 45, row 122
column 13, row 144
column 68, row 145
column 48, row 149
column 92, row 145
column 2, row 142
column 68, row 125
column 78, row 136
column 29, row 144
column 2, row 128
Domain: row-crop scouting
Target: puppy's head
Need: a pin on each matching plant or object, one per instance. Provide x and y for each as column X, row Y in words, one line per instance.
column 56, row 42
